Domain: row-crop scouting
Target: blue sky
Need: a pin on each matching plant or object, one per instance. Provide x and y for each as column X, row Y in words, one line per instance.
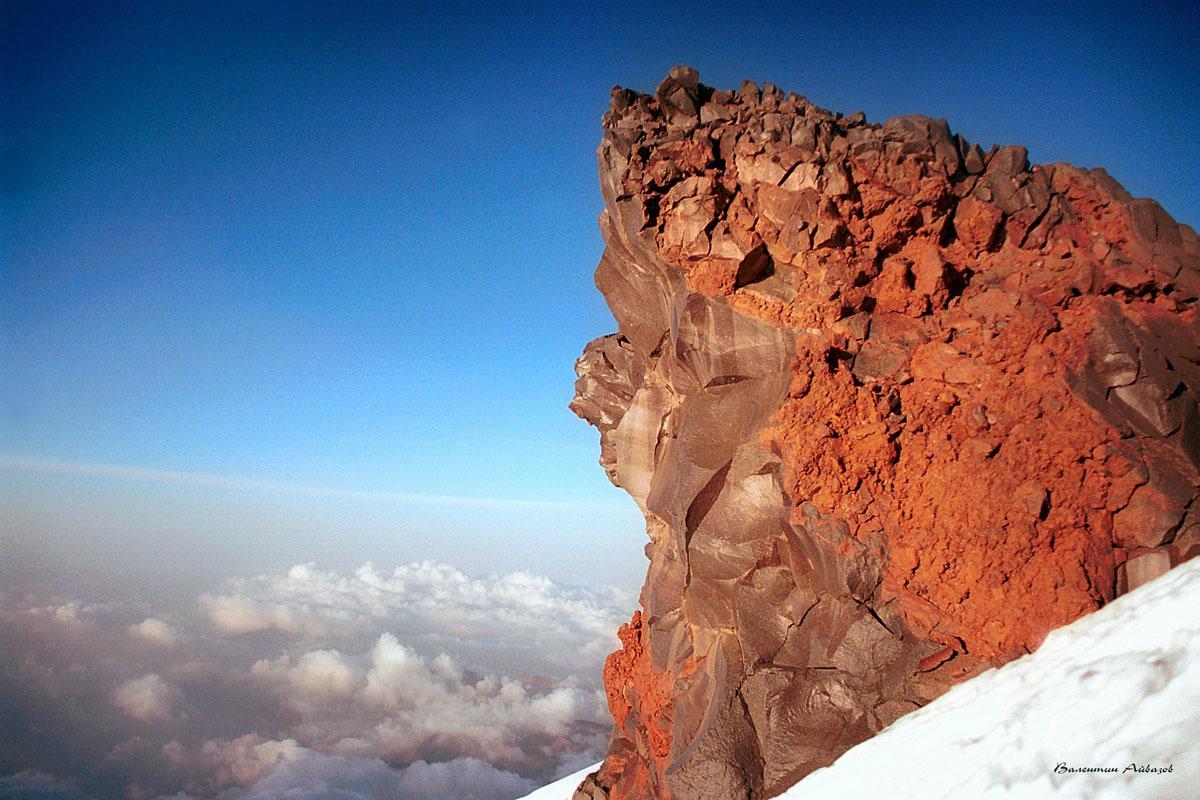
column 348, row 248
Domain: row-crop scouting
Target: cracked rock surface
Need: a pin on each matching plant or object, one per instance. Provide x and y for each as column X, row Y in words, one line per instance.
column 893, row 407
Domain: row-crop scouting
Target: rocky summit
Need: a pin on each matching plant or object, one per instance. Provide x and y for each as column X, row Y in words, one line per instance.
column 894, row 408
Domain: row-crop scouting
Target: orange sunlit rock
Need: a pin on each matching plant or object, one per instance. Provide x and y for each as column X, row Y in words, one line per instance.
column 894, row 408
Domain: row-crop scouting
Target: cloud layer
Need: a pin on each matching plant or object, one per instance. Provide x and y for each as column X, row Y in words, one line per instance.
column 434, row 606
column 145, row 698
column 421, row 682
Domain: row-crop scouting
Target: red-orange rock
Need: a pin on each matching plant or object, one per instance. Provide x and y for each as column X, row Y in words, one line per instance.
column 641, row 702
column 893, row 407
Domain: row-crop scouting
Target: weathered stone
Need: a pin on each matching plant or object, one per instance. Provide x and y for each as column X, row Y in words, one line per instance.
column 924, row 137
column 1148, row 520
column 678, row 95
column 1145, row 567
column 977, row 223
column 876, row 361
column 893, row 409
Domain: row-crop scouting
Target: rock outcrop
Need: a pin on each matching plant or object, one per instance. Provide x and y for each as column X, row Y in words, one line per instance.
column 894, row 408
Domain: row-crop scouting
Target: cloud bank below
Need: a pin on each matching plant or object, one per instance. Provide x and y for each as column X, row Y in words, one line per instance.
column 418, row 682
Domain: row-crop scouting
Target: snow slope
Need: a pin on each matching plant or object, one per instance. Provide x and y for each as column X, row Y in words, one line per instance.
column 562, row 788
column 1119, row 687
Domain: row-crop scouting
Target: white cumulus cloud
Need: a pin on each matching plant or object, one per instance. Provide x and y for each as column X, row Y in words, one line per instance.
column 435, row 605
column 316, row 776
column 155, row 631
column 393, row 703
column 146, row 698
column 419, row 682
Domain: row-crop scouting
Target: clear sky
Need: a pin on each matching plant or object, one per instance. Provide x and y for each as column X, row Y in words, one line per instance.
column 295, row 263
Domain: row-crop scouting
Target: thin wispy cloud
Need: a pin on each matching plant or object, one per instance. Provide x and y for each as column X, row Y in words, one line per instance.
column 211, row 480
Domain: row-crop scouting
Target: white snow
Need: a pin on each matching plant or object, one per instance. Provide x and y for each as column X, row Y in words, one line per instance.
column 563, row 788
column 1119, row 687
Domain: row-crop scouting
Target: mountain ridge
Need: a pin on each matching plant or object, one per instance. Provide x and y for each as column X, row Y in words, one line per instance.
column 893, row 408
